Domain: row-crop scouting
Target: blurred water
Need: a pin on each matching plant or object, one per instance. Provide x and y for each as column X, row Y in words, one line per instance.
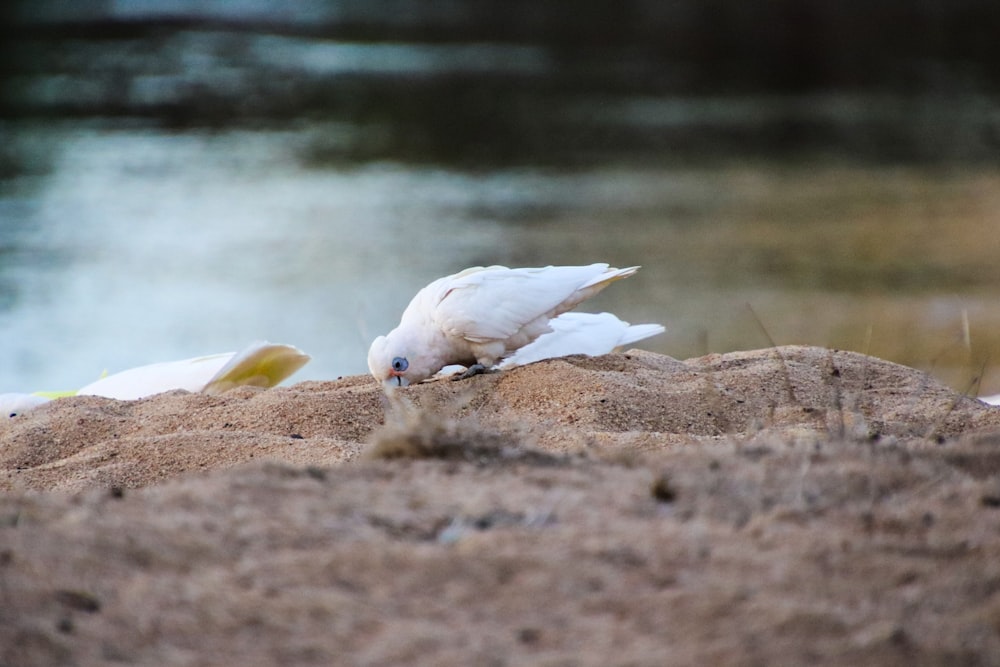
column 141, row 246
column 181, row 178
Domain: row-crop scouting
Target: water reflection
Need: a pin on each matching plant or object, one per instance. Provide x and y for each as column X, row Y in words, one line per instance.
column 142, row 246
column 179, row 178
column 325, row 58
column 156, row 245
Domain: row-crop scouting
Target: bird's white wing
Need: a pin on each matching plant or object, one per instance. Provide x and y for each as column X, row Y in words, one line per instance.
column 261, row 364
column 990, row 400
column 188, row 374
column 582, row 333
column 495, row 303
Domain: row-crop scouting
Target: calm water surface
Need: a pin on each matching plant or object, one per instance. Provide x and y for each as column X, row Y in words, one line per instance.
column 124, row 247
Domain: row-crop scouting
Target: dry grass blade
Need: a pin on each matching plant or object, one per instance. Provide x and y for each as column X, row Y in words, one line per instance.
column 790, row 394
column 414, row 432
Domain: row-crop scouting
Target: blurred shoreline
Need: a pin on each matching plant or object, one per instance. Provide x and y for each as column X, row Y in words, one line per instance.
column 178, row 178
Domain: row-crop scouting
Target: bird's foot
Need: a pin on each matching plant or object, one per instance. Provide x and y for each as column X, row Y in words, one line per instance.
column 474, row 369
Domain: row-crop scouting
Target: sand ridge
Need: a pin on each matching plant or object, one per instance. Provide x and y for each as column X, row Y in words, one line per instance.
column 788, row 505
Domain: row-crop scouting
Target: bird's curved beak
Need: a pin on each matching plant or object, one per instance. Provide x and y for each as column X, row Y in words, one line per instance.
column 394, row 381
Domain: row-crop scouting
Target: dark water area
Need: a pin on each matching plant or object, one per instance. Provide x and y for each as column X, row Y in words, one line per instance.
column 484, row 82
column 179, row 178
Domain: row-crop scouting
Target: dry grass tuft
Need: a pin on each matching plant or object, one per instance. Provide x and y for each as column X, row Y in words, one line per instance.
column 415, row 432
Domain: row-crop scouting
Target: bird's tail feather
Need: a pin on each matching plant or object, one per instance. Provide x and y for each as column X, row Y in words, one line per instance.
column 592, row 287
column 637, row 332
column 609, row 276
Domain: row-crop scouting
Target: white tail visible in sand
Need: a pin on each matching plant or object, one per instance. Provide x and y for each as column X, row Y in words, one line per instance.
column 260, row 364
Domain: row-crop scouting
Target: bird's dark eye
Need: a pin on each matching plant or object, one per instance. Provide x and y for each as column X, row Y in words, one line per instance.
column 400, row 364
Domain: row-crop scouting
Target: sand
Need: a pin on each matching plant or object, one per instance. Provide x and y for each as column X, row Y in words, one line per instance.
column 794, row 505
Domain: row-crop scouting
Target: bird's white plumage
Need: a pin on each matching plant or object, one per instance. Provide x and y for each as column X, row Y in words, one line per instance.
column 991, row 400
column 188, row 374
column 261, row 364
column 14, row 404
column 592, row 334
column 496, row 303
column 481, row 315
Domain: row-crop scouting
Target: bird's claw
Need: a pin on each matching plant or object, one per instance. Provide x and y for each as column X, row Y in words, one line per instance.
column 474, row 369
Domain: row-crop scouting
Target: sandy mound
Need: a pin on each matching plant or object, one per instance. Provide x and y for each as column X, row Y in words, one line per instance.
column 781, row 506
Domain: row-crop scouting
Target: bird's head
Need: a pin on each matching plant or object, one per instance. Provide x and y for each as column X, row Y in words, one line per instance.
column 394, row 364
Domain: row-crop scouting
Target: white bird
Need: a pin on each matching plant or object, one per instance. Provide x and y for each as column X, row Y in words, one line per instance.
column 582, row 333
column 15, row 404
column 481, row 315
column 991, row 400
column 574, row 333
column 260, row 364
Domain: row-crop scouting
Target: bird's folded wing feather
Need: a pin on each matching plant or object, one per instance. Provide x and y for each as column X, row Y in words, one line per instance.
column 495, row 305
column 142, row 381
column 262, row 364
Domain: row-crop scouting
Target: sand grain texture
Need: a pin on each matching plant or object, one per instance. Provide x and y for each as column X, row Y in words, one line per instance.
column 787, row 506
